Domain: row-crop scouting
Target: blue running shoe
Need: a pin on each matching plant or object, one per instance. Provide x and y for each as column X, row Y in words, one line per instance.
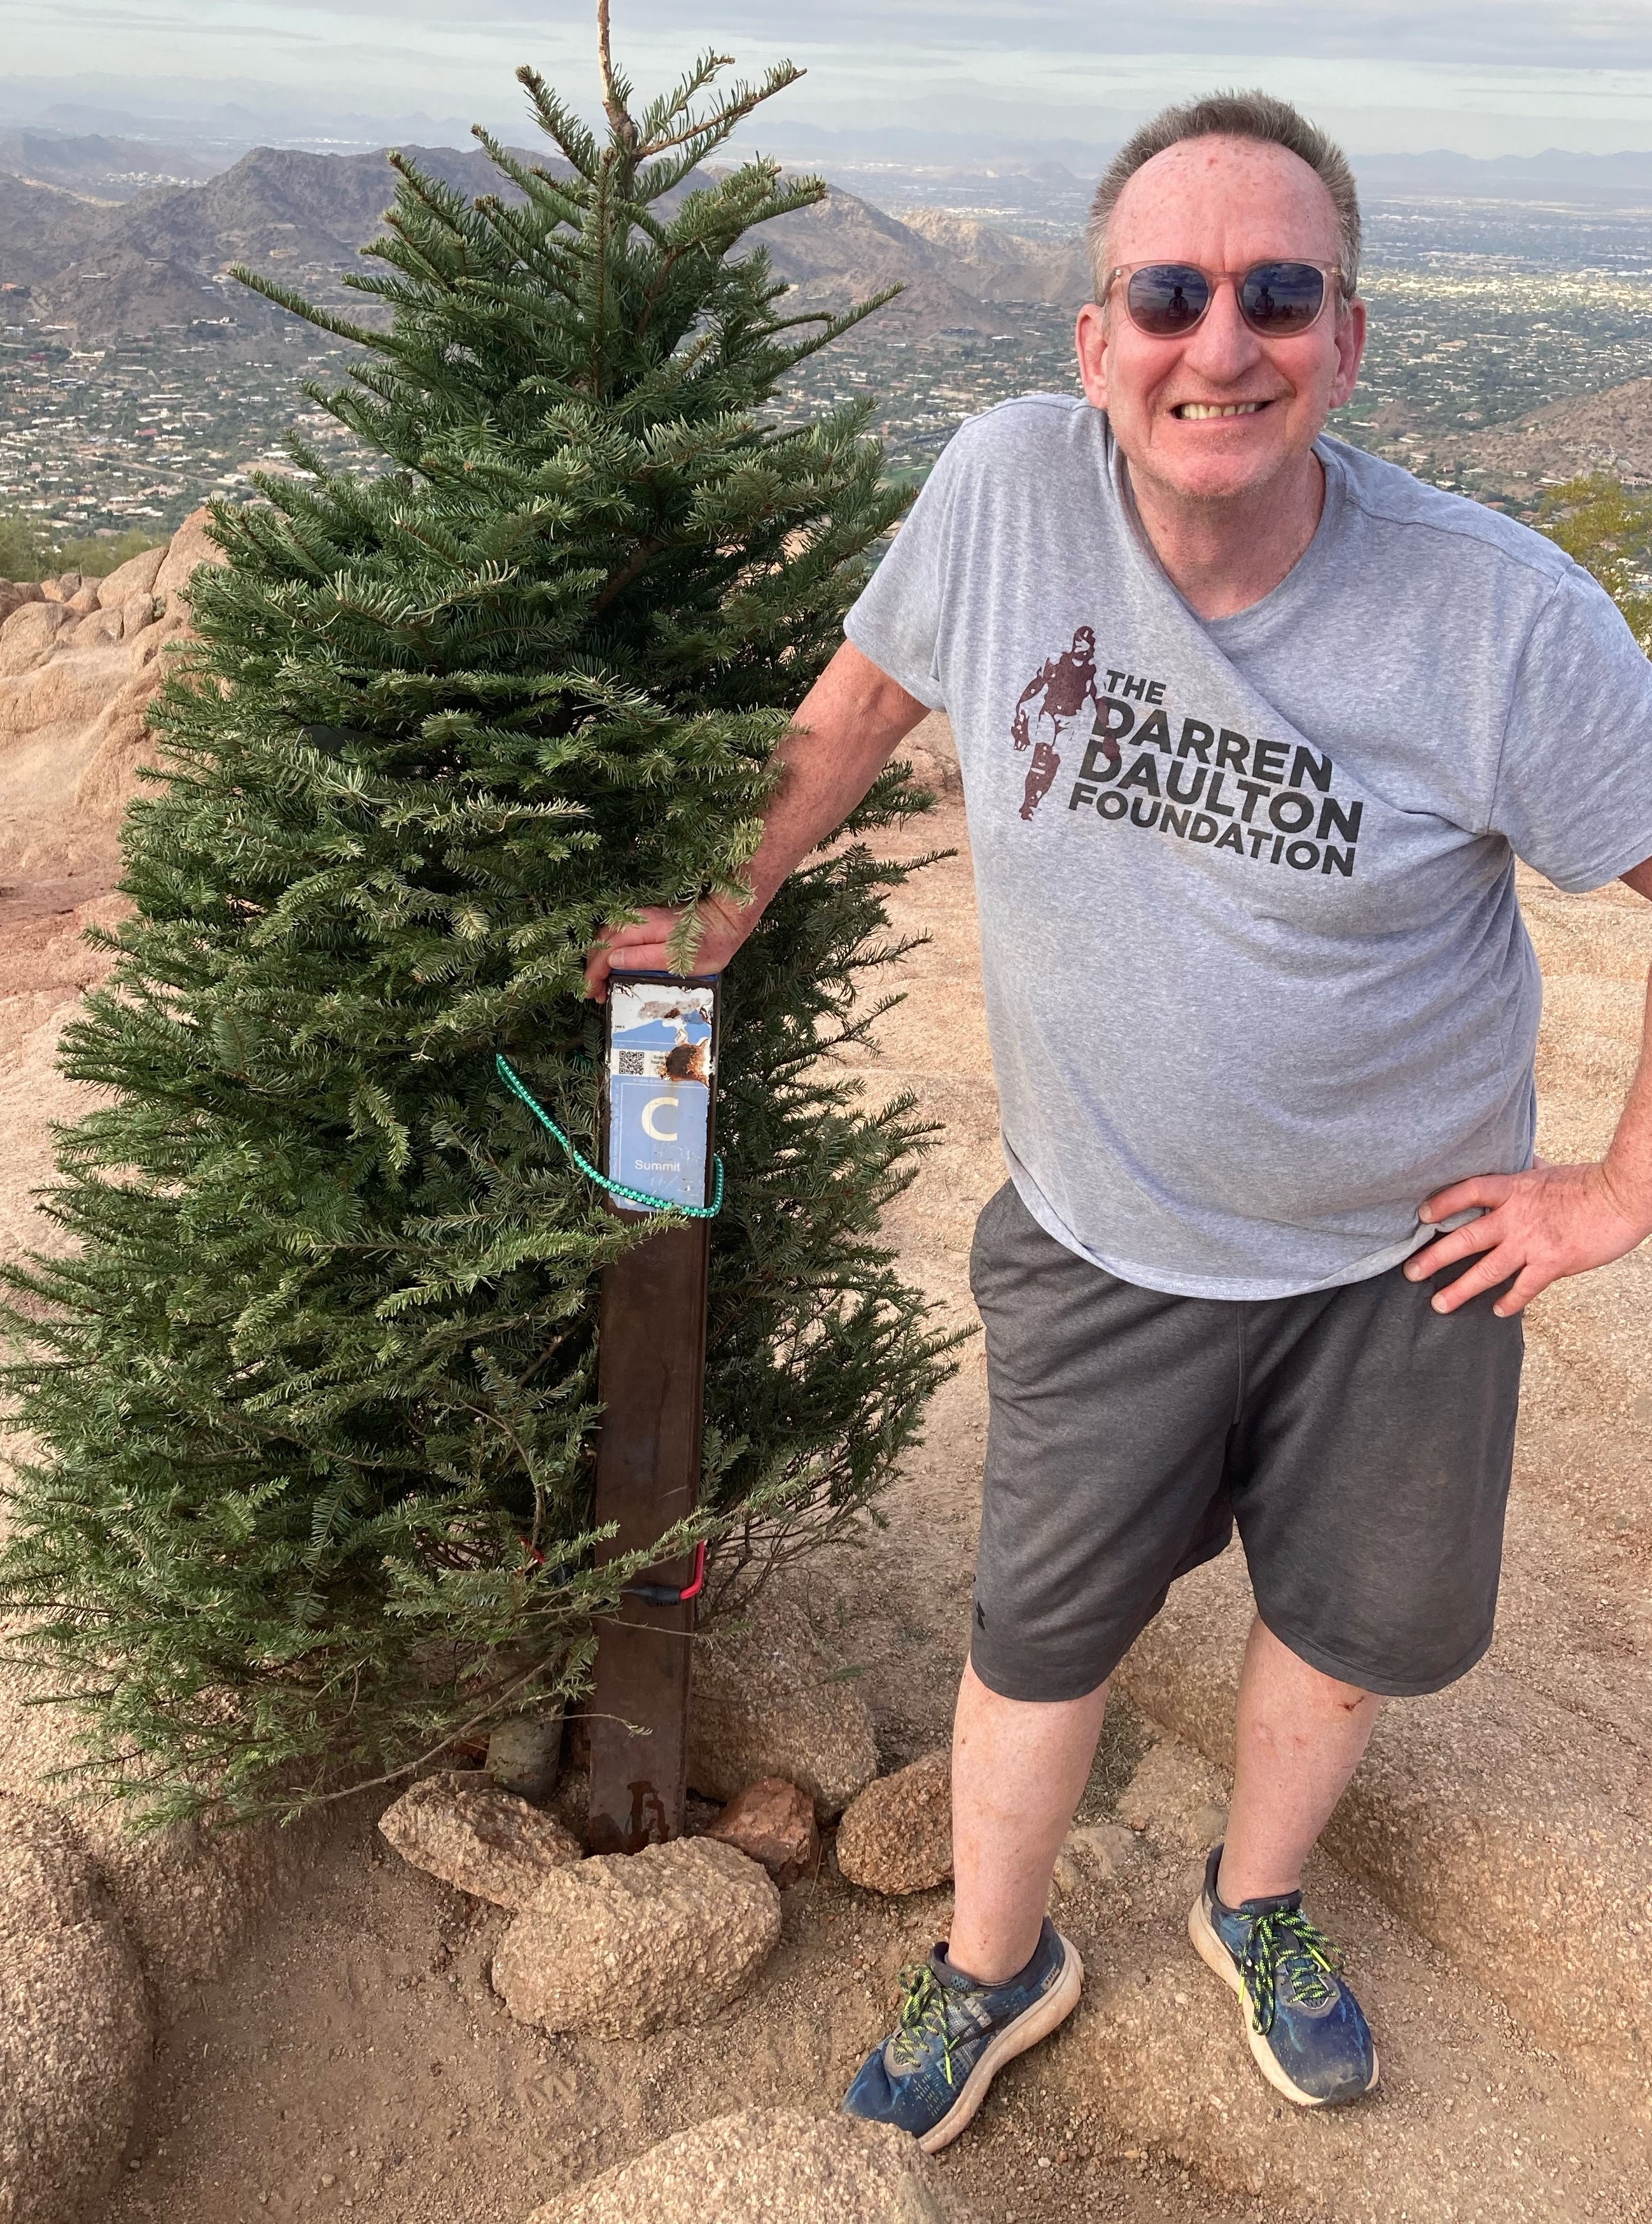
column 954, row 2035
column 1311, row 2039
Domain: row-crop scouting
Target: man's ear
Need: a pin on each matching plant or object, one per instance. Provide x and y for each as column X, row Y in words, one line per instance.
column 1092, row 342
column 1350, row 347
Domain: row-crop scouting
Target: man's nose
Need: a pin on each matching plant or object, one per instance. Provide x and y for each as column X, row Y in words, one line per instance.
column 1223, row 347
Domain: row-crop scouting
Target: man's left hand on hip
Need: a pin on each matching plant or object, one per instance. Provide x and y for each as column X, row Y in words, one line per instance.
column 1534, row 1228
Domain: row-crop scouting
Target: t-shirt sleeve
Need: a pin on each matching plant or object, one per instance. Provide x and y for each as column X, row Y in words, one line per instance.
column 1573, row 793
column 897, row 621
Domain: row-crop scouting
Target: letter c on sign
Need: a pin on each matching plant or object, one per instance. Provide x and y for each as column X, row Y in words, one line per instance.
column 654, row 1105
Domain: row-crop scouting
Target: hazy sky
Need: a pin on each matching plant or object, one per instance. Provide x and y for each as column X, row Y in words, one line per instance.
column 1483, row 76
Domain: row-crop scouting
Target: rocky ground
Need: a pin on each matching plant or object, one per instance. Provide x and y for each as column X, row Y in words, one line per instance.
column 323, row 2036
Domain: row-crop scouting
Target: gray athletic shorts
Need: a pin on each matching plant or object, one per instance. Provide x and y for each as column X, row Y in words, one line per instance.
column 1361, row 1441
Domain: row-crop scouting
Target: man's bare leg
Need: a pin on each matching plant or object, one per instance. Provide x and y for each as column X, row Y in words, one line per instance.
column 1299, row 1738
column 1018, row 1771
column 1019, row 1768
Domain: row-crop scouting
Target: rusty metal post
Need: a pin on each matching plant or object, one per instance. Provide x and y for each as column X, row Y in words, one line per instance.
column 651, row 1380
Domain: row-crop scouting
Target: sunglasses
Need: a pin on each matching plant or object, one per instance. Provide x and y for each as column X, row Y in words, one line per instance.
column 1167, row 300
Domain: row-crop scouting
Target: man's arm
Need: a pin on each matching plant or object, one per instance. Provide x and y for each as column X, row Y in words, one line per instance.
column 846, row 729
column 1554, row 1221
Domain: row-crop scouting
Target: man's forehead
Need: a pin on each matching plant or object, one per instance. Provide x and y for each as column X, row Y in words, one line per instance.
column 1222, row 180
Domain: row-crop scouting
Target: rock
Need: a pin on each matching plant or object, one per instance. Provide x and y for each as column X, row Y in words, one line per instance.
column 186, row 1895
column 897, row 1837
column 773, row 1822
column 84, row 600
column 74, row 694
column 525, row 1755
column 13, row 593
column 75, row 2033
column 1497, row 1819
column 768, row 2166
column 1106, row 1847
column 27, row 635
column 1102, row 1850
column 626, row 1944
column 190, row 548
column 1483, row 2129
column 133, row 615
column 769, row 1703
column 461, row 1827
column 136, row 576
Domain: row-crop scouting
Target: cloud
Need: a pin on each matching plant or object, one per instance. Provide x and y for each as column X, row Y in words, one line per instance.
column 1381, row 71
column 1549, row 34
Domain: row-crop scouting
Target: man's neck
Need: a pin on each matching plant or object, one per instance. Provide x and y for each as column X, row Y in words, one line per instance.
column 1224, row 556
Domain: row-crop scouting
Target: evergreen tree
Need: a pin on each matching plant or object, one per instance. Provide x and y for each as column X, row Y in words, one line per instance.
column 313, row 1389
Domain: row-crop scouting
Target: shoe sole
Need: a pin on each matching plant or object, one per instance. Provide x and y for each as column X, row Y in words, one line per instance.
column 1215, row 1956
column 1038, row 2021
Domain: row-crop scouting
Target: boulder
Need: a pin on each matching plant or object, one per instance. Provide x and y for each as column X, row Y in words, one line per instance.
column 190, row 547
column 136, row 576
column 128, row 618
column 625, row 1944
column 75, row 2032
column 767, row 1702
column 28, row 635
column 773, row 1822
column 13, row 593
column 897, row 1837
column 461, row 1827
column 75, row 691
column 186, row 1895
column 768, row 2166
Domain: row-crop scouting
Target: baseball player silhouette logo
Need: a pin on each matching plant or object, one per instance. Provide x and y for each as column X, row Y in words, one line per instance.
column 1067, row 685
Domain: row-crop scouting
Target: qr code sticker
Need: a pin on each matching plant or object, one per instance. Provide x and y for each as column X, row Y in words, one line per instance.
column 630, row 1061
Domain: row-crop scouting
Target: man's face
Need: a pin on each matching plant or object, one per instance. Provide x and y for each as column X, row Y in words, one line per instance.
column 1223, row 203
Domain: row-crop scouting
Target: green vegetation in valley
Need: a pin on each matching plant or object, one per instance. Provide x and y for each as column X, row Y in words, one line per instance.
column 26, row 553
column 1607, row 528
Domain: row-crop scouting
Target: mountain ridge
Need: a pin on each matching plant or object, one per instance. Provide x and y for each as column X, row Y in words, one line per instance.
column 160, row 259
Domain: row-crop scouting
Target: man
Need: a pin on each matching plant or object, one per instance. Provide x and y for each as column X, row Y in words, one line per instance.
column 1263, row 1016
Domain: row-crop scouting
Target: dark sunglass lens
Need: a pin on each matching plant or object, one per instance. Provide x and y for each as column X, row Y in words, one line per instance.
column 1167, row 298
column 1281, row 297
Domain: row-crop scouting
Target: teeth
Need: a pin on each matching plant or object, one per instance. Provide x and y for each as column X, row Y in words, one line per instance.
column 1201, row 409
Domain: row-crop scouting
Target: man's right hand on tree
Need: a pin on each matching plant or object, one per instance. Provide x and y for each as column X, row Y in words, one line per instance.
column 846, row 728
column 645, row 945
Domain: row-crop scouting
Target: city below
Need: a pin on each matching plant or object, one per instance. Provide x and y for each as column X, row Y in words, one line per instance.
column 1492, row 323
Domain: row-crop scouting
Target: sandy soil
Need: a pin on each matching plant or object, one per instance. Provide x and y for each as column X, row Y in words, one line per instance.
column 356, row 2062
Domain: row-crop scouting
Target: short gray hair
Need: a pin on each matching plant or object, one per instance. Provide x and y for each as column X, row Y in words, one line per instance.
column 1233, row 115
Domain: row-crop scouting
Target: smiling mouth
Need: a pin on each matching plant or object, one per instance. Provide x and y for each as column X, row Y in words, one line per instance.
column 1198, row 411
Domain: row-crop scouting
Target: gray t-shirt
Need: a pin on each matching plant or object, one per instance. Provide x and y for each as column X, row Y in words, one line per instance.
column 1257, row 980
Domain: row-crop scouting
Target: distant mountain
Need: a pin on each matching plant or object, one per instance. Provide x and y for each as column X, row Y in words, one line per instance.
column 1002, row 265
column 1555, row 174
column 103, row 168
column 162, row 260
column 954, row 270
column 41, row 228
column 159, row 260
